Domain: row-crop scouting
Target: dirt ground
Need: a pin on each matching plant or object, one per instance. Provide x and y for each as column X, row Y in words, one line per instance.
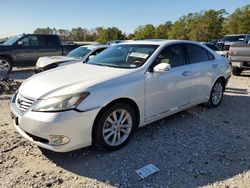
column 195, row 148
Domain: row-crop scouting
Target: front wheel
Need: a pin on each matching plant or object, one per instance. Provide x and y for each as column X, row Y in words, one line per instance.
column 114, row 127
column 216, row 94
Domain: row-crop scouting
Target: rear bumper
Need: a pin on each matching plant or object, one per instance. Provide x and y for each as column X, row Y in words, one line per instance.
column 241, row 64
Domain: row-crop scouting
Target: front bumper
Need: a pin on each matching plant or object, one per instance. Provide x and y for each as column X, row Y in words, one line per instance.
column 38, row 127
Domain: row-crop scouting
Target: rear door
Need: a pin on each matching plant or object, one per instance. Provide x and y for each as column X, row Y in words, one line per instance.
column 49, row 45
column 204, row 69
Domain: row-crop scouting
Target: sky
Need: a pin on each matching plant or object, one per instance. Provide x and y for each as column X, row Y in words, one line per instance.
column 24, row 16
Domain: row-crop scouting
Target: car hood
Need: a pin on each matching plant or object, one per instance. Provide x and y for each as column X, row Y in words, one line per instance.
column 68, row 79
column 44, row 61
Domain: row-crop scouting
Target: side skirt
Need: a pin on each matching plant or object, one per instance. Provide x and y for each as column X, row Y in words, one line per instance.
column 173, row 111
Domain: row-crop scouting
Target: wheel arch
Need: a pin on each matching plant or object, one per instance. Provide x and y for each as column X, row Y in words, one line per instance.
column 223, row 79
column 8, row 57
column 125, row 100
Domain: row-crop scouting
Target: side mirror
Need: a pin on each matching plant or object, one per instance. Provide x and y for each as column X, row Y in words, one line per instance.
column 20, row 43
column 162, row 67
column 91, row 56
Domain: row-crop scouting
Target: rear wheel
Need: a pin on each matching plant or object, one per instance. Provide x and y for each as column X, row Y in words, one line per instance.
column 114, row 127
column 236, row 71
column 5, row 64
column 216, row 94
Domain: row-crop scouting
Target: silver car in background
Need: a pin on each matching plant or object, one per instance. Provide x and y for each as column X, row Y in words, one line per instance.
column 83, row 53
column 126, row 86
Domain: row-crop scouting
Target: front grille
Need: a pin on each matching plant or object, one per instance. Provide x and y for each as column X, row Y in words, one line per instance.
column 23, row 103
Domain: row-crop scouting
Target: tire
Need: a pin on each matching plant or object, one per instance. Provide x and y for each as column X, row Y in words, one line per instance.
column 107, row 129
column 236, row 71
column 216, row 94
column 6, row 63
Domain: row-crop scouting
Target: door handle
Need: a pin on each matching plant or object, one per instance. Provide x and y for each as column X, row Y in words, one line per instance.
column 186, row 73
column 215, row 66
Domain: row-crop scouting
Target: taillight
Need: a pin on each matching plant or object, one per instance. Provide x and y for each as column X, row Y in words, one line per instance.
column 230, row 52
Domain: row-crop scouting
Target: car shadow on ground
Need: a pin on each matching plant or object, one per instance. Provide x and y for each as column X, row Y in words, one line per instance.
column 245, row 73
column 193, row 148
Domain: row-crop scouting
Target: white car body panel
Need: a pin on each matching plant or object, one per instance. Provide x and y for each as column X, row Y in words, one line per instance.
column 157, row 95
column 64, row 60
column 44, row 61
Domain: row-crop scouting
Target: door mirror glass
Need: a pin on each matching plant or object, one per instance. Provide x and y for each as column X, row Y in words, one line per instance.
column 162, row 67
column 91, row 56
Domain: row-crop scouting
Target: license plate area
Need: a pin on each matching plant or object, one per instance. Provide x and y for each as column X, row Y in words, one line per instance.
column 15, row 118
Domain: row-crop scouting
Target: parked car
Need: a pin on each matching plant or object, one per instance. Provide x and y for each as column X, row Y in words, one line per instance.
column 24, row 50
column 214, row 41
column 239, row 56
column 228, row 40
column 82, row 53
column 126, row 86
column 215, row 48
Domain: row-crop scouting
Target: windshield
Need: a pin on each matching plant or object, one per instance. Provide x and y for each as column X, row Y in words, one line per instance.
column 124, row 56
column 12, row 40
column 234, row 38
column 212, row 46
column 79, row 52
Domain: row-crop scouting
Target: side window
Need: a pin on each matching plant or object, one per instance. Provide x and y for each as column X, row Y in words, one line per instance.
column 30, row 41
column 174, row 55
column 248, row 39
column 98, row 51
column 41, row 40
column 210, row 56
column 51, row 41
column 197, row 54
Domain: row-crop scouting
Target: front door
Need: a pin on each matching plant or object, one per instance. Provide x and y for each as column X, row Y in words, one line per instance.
column 168, row 90
column 26, row 50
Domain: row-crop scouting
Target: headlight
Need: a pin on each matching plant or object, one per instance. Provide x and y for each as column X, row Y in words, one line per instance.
column 60, row 103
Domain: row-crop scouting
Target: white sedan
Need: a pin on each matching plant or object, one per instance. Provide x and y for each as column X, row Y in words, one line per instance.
column 124, row 87
column 82, row 53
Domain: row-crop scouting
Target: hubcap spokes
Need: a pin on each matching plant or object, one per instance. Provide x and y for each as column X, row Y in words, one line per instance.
column 4, row 64
column 217, row 93
column 117, row 127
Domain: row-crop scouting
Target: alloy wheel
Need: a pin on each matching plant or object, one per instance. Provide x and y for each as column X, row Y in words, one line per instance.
column 4, row 64
column 217, row 93
column 117, row 127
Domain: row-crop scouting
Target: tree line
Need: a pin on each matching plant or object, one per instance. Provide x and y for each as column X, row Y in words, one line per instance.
column 200, row 26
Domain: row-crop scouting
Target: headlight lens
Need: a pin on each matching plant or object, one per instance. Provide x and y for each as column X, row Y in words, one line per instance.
column 60, row 103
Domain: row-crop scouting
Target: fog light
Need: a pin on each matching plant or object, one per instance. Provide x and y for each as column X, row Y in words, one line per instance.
column 57, row 140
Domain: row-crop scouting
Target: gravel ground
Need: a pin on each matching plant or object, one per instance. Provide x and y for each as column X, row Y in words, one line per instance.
column 195, row 148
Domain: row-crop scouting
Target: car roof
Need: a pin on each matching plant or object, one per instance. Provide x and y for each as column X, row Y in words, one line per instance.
column 94, row 47
column 156, row 42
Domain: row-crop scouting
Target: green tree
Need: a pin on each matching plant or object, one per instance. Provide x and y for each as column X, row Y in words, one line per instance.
column 46, row 30
column 238, row 21
column 162, row 30
column 206, row 25
column 145, row 32
column 179, row 30
column 108, row 34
